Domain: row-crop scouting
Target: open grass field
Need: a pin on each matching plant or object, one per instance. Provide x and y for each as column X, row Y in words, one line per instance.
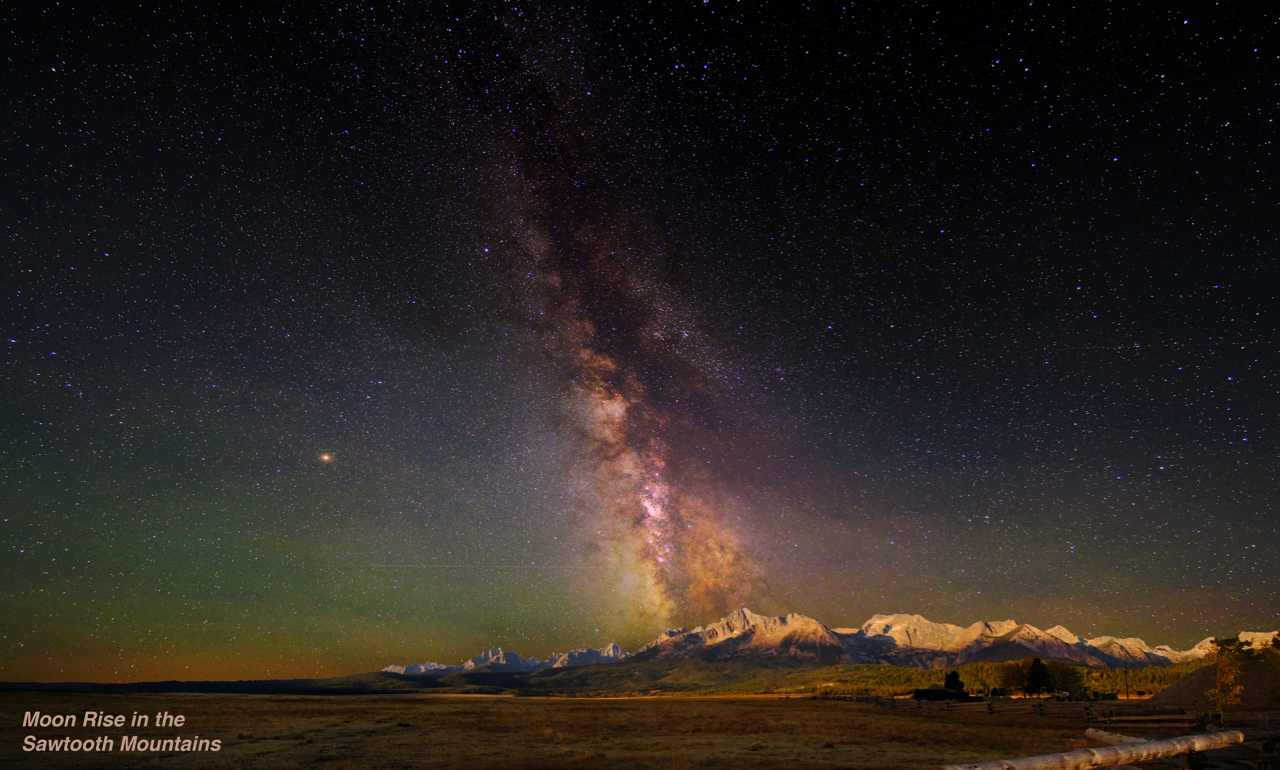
column 434, row 731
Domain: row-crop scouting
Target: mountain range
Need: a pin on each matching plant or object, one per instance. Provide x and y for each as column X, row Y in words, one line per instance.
column 898, row 640
column 497, row 660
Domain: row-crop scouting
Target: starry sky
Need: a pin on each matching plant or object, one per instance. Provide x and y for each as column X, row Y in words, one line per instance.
column 338, row 336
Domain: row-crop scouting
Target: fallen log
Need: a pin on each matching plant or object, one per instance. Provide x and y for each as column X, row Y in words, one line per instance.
column 1259, row 753
column 1110, row 756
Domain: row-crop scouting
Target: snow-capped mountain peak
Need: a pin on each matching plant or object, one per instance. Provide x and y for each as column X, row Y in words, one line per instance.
column 898, row 639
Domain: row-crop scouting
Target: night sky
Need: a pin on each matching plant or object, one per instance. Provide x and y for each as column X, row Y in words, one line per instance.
column 343, row 336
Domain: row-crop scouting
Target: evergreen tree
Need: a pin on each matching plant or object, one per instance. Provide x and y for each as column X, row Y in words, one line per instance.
column 952, row 682
column 1038, row 678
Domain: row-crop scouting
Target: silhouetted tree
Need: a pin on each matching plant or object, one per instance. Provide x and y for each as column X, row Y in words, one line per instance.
column 1038, row 678
column 952, row 682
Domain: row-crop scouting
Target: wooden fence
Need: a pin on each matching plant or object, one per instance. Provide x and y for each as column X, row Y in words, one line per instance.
column 995, row 706
column 1088, row 712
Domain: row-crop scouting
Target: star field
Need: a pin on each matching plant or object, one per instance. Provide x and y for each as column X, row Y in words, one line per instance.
column 344, row 336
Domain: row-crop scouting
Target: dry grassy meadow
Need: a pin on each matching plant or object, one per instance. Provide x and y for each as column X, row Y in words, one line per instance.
column 442, row 731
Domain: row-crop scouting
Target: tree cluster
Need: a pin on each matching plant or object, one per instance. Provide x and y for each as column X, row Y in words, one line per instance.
column 953, row 682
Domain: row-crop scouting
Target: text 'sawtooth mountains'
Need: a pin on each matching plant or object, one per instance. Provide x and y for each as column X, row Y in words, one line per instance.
column 899, row 640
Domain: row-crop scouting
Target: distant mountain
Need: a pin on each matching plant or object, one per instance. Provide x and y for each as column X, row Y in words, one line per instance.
column 899, row 640
column 911, row 640
column 610, row 654
column 509, row 662
column 1203, row 648
column 745, row 634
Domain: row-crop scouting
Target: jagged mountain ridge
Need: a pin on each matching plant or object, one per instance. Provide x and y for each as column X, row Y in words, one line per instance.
column 900, row 640
column 911, row 640
column 746, row 634
column 497, row 660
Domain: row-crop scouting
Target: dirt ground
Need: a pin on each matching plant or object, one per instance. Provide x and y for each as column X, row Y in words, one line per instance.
column 423, row 731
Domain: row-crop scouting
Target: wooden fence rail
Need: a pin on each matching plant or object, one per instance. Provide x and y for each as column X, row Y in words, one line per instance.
column 1022, row 706
column 1090, row 713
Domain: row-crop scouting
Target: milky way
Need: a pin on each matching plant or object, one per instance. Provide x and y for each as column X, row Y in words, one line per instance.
column 591, row 258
